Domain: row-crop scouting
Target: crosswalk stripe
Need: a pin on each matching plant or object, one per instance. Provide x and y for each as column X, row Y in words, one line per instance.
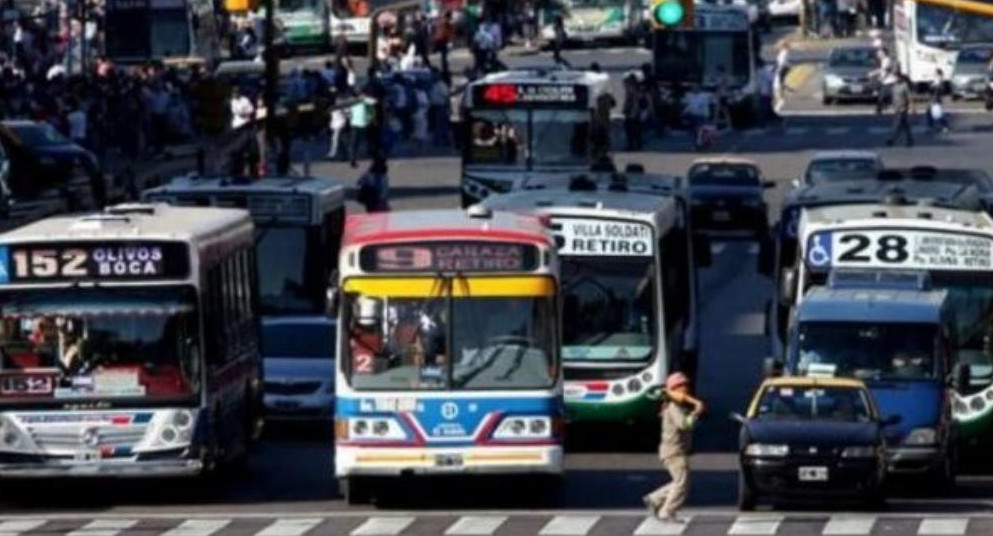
column 383, row 526
column 17, row 526
column 569, row 525
column 476, row 525
column 104, row 527
column 755, row 526
column 653, row 526
column 837, row 131
column 290, row 527
column 943, row 526
column 849, row 525
column 198, row 527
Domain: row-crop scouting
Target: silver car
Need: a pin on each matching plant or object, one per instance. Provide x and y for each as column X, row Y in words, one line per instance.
column 970, row 79
column 298, row 354
column 848, row 74
column 844, row 165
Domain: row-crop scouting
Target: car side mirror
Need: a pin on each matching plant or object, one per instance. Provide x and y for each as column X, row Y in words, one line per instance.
column 891, row 420
column 961, row 376
column 787, row 287
column 772, row 367
column 768, row 184
column 737, row 417
column 701, row 251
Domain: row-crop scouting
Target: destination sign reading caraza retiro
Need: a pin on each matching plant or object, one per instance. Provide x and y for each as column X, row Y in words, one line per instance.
column 603, row 237
column 92, row 260
column 449, row 257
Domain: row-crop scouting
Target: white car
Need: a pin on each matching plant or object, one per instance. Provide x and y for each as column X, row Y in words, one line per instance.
column 298, row 356
column 780, row 9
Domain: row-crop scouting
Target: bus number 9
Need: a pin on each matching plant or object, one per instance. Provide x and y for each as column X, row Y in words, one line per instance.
column 46, row 263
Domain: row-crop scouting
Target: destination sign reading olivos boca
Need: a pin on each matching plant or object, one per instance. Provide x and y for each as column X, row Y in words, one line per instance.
column 602, row 237
column 92, row 260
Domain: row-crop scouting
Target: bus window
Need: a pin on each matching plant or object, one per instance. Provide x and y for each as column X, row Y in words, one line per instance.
column 498, row 138
column 560, row 137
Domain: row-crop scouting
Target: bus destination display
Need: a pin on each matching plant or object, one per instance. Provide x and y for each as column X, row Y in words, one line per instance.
column 593, row 237
column 449, row 257
column 49, row 262
column 504, row 95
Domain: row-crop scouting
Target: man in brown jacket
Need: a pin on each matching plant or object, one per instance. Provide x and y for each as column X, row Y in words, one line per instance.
column 679, row 413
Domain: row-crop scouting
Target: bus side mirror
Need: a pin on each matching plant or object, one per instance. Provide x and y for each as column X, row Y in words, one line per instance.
column 772, row 367
column 960, row 377
column 701, row 251
column 787, row 287
column 767, row 255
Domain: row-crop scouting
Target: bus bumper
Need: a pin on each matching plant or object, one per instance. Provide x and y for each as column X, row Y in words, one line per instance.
column 638, row 409
column 493, row 460
column 118, row 469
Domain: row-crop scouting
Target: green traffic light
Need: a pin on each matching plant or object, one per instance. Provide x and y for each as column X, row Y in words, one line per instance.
column 669, row 12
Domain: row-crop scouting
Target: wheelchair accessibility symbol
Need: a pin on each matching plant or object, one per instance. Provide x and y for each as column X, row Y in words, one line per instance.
column 819, row 254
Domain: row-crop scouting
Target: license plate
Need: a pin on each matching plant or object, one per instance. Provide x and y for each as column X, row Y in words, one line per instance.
column 813, row 474
column 858, row 88
column 721, row 215
column 86, row 456
column 448, row 460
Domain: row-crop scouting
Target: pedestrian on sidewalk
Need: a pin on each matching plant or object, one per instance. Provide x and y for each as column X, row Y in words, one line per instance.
column 903, row 107
column 936, row 117
column 559, row 42
column 680, row 411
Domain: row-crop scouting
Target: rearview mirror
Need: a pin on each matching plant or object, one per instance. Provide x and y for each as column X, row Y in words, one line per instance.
column 772, row 367
column 891, row 420
column 737, row 417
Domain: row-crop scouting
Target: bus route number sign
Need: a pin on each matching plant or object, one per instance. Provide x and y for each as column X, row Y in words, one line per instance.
column 898, row 248
column 449, row 257
column 549, row 95
column 49, row 262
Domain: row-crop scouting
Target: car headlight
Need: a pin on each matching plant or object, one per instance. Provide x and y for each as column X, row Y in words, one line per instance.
column 766, row 450
column 859, row 452
column 921, row 436
column 169, row 429
column 524, row 428
column 374, row 429
column 833, row 80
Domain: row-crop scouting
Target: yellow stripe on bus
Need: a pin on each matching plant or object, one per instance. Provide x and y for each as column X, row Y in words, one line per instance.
column 426, row 287
column 968, row 6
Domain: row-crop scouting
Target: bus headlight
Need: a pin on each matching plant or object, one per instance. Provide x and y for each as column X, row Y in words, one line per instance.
column 169, row 429
column 524, row 428
column 373, row 429
column 921, row 437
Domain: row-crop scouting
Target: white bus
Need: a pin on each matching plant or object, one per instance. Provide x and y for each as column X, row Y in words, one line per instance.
column 128, row 343
column 351, row 19
column 929, row 33
column 598, row 20
column 524, row 124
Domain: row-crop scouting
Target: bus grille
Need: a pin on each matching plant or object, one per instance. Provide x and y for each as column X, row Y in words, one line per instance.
column 70, row 438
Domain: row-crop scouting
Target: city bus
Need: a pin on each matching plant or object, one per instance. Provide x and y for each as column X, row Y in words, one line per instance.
column 522, row 124
column 298, row 222
column 928, row 34
column 128, row 343
column 448, row 349
column 630, row 291
column 177, row 32
column 597, row 20
column 779, row 254
column 350, row 19
column 305, row 23
column 953, row 248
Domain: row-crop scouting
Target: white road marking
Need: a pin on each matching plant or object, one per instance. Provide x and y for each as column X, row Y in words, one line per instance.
column 849, row 525
column 653, row 526
column 104, row 527
column 382, row 526
column 476, row 525
column 17, row 526
column 290, row 527
column 838, row 131
column 717, row 248
column 755, row 525
column 797, row 131
column 569, row 525
column 943, row 526
column 198, row 527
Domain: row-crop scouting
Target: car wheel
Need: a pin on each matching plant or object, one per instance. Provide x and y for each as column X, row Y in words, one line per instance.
column 746, row 495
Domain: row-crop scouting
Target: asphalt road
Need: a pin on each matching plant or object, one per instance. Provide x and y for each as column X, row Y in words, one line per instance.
column 288, row 487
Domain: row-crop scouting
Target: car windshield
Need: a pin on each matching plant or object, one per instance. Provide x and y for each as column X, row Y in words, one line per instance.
column 298, row 340
column 945, row 26
column 841, row 169
column 854, row 57
column 455, row 342
column 723, row 175
column 611, row 308
column 975, row 56
column 813, row 403
column 123, row 342
column 38, row 135
column 876, row 351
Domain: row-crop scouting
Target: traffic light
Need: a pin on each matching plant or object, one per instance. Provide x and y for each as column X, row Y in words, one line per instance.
column 671, row 14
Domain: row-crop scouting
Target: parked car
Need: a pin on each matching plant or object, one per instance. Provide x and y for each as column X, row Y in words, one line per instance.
column 726, row 194
column 298, row 355
column 970, row 76
column 845, row 165
column 812, row 437
column 847, row 75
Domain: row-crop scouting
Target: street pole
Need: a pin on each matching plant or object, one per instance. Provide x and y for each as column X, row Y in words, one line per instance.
column 270, row 95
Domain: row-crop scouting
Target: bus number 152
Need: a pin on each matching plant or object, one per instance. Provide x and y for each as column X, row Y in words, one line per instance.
column 44, row 263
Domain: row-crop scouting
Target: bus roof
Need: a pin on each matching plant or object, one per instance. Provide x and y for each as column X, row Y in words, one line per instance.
column 944, row 194
column 881, row 214
column 592, row 203
column 134, row 221
column 636, row 182
column 290, row 184
column 474, row 224
column 823, row 304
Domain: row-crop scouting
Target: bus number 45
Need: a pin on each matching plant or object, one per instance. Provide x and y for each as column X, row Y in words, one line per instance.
column 889, row 248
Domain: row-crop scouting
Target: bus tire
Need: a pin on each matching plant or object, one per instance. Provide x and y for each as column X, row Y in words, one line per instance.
column 355, row 490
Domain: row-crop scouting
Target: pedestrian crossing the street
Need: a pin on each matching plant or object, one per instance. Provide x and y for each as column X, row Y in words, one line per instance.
column 523, row 524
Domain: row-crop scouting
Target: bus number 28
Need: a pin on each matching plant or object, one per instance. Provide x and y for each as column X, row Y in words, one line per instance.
column 890, row 248
column 44, row 263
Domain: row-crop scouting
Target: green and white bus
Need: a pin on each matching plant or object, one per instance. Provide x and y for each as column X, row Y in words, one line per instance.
column 629, row 292
column 597, row 20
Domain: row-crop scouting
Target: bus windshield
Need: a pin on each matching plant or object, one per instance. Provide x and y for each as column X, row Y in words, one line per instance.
column 697, row 58
column 528, row 138
column 451, row 343
column 879, row 351
column 170, row 33
column 346, row 9
column 573, row 4
column 300, row 5
column 612, row 308
column 971, row 298
column 102, row 343
column 946, row 27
